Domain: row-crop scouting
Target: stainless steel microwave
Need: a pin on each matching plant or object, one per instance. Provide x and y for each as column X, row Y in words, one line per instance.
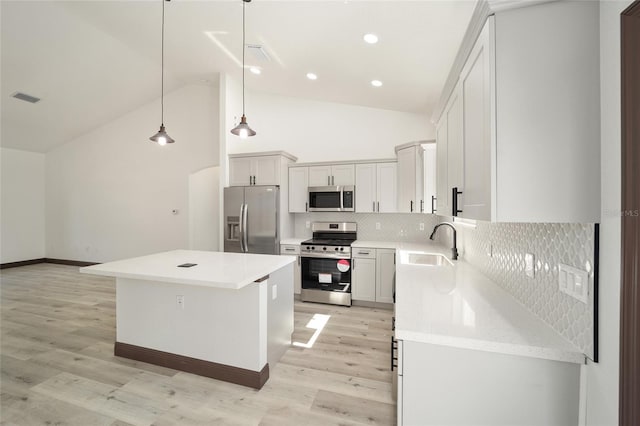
column 339, row 198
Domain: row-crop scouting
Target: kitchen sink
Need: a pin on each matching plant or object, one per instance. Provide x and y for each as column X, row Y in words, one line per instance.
column 428, row 259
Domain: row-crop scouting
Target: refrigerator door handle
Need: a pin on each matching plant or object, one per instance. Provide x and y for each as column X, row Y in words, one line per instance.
column 245, row 234
column 241, row 225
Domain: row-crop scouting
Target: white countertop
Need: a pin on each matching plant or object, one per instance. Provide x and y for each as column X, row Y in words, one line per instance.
column 458, row 306
column 213, row 269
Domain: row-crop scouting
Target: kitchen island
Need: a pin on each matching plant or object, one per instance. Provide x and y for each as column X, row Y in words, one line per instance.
column 227, row 316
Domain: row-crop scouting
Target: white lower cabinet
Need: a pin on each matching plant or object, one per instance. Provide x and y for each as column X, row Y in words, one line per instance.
column 385, row 274
column 442, row 385
column 363, row 275
column 294, row 250
column 373, row 275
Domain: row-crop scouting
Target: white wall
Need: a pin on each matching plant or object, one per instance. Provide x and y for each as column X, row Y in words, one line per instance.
column 602, row 378
column 22, row 205
column 204, row 209
column 325, row 131
column 111, row 192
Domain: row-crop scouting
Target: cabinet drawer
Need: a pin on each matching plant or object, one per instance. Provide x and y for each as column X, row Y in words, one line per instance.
column 289, row 249
column 366, row 253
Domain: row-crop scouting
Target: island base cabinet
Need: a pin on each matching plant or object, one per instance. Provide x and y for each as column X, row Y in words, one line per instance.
column 442, row 385
column 233, row 335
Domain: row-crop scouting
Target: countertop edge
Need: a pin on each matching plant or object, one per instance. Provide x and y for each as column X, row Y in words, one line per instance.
column 546, row 353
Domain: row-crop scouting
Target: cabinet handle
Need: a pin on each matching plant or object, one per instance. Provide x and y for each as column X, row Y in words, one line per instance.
column 421, row 206
column 378, row 206
column 411, row 207
column 250, row 182
column 328, row 180
column 289, row 249
column 433, row 208
column 333, row 180
column 306, row 207
column 298, row 260
column 353, row 264
column 254, row 180
column 363, row 252
column 374, row 206
column 393, row 358
column 454, row 201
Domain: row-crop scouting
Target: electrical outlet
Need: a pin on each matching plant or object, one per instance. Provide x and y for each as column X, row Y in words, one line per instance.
column 180, row 301
column 574, row 282
column 490, row 250
column 421, row 226
column 529, row 268
column 377, row 226
column 274, row 292
column 308, row 224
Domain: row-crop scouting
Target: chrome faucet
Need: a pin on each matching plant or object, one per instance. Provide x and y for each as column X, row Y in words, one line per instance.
column 454, row 250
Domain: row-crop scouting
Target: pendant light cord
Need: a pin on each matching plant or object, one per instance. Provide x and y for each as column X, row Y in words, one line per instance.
column 162, row 70
column 243, row 48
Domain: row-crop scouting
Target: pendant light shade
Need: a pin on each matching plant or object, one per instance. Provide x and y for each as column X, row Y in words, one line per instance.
column 162, row 138
column 243, row 130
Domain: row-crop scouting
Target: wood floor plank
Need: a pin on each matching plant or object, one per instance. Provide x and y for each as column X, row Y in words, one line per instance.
column 57, row 330
column 357, row 409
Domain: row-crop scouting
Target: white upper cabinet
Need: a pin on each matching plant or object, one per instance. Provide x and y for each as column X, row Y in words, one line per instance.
column 267, row 168
column 411, row 178
column 449, row 153
column 298, row 189
column 528, row 119
column 376, row 187
column 332, row 174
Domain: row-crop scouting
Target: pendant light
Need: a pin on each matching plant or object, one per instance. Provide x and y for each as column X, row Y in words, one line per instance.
column 162, row 138
column 243, row 130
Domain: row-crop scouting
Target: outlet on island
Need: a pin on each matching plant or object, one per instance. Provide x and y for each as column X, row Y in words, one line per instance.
column 180, row 301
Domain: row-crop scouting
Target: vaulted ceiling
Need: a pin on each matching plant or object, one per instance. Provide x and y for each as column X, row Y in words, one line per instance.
column 92, row 61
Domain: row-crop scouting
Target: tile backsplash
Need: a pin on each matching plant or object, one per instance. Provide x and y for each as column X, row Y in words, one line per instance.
column 498, row 250
column 393, row 226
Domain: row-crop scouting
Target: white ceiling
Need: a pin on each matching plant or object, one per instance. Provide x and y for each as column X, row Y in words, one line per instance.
column 93, row 61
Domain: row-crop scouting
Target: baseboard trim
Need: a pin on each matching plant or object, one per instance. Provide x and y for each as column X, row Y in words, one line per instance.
column 46, row 260
column 375, row 305
column 70, row 262
column 227, row 373
column 22, row 263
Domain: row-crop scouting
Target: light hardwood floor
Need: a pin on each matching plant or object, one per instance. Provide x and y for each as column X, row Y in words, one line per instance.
column 58, row 368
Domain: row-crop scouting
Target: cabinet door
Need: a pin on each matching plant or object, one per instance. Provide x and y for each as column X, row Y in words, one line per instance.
column 267, row 170
column 365, row 188
column 386, row 187
column 429, row 177
column 419, row 183
column 443, row 193
column 476, row 84
column 240, row 171
column 298, row 189
column 406, row 180
column 320, row 175
column 455, row 154
column 385, row 275
column 343, row 174
column 363, row 279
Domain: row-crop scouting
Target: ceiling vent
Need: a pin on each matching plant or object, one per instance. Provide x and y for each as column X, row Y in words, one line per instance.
column 258, row 52
column 25, row 97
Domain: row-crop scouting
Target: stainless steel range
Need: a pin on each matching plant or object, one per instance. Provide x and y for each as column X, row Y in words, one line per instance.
column 326, row 263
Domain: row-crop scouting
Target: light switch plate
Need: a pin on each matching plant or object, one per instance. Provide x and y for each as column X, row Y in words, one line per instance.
column 574, row 282
column 529, row 262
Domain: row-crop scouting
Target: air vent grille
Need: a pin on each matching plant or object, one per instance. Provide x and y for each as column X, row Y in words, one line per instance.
column 25, row 97
column 258, row 52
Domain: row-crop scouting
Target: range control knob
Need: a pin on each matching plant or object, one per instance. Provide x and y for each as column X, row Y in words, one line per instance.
column 341, row 248
column 324, row 248
column 313, row 248
column 336, row 249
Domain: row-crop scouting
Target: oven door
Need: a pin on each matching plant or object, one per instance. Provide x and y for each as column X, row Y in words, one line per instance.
column 322, row 273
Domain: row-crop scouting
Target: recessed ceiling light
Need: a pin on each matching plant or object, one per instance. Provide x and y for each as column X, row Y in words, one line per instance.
column 312, row 76
column 255, row 70
column 376, row 83
column 371, row 38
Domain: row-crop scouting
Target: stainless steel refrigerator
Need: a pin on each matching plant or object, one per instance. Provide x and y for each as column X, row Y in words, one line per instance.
column 251, row 219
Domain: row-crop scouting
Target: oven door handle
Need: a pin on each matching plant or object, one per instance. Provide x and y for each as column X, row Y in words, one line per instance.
column 325, row 256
